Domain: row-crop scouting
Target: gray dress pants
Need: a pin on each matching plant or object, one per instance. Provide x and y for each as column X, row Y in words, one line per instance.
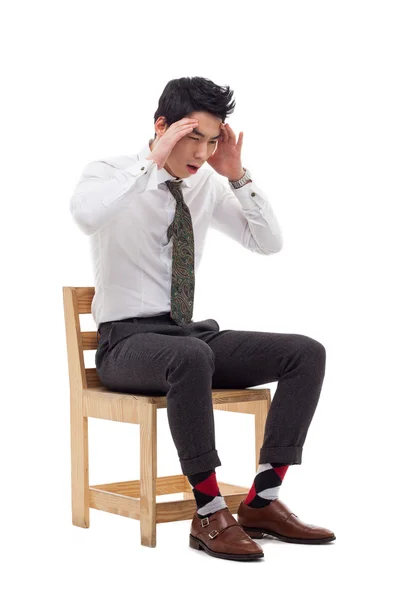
column 154, row 355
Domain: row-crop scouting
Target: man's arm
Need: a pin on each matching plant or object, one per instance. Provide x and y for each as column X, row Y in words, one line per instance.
column 102, row 191
column 246, row 216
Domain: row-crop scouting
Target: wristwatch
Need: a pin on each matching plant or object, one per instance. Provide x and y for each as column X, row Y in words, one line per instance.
column 241, row 182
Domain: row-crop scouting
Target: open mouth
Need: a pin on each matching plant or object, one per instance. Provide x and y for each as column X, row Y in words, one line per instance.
column 192, row 169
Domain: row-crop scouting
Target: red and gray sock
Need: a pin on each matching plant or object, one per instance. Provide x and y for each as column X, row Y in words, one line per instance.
column 266, row 484
column 206, row 492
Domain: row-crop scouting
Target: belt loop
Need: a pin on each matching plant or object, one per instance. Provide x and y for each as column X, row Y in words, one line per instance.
column 97, row 336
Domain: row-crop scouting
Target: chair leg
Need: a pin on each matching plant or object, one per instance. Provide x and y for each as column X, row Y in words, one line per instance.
column 79, row 463
column 261, row 408
column 148, row 474
column 188, row 490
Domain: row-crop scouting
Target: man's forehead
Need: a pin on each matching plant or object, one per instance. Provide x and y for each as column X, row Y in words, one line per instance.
column 203, row 135
column 208, row 128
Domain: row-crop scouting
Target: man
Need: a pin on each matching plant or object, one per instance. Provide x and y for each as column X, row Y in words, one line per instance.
column 147, row 216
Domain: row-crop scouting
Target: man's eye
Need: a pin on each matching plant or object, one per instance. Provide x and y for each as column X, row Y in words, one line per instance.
column 197, row 139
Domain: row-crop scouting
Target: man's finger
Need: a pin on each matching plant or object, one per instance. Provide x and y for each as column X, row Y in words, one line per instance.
column 230, row 133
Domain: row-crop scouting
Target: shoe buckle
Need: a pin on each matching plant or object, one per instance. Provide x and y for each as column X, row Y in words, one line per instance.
column 213, row 534
column 204, row 522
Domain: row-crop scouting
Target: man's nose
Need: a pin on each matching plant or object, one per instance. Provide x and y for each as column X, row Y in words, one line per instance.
column 201, row 152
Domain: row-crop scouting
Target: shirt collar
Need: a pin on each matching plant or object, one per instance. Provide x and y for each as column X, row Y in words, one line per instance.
column 162, row 174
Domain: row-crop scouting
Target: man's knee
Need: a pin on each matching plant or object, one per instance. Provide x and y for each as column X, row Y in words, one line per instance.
column 196, row 352
column 314, row 352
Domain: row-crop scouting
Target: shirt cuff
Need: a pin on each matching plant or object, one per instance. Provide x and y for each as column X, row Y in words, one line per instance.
column 145, row 167
column 249, row 195
column 140, row 167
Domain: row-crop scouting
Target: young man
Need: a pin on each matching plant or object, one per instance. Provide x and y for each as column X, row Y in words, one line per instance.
column 143, row 214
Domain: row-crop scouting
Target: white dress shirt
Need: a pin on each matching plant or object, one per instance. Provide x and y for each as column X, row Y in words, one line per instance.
column 125, row 207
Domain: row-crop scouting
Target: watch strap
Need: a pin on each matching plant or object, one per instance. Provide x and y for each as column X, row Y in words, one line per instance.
column 241, row 182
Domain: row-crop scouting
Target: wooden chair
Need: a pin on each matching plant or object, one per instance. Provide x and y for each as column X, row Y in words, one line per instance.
column 89, row 398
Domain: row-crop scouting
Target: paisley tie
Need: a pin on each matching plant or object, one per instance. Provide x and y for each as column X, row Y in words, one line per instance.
column 183, row 279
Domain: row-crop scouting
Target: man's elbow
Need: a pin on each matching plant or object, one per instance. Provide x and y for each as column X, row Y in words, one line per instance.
column 275, row 247
column 81, row 217
column 279, row 245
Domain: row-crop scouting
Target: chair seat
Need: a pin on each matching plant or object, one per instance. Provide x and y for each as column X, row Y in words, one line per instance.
column 102, row 403
column 219, row 396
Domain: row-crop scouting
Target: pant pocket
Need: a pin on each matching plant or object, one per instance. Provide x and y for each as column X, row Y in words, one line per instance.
column 119, row 332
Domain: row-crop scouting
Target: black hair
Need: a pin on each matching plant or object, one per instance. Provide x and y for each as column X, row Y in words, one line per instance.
column 183, row 96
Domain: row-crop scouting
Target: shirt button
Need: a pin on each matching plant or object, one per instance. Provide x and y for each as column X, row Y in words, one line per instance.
column 253, row 193
column 142, row 169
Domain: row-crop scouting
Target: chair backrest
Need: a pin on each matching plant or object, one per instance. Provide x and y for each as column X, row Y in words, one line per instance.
column 78, row 301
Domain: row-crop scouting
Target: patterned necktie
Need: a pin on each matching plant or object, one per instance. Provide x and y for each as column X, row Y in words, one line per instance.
column 182, row 284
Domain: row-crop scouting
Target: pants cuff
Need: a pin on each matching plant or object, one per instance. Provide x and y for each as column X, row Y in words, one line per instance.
column 288, row 455
column 204, row 462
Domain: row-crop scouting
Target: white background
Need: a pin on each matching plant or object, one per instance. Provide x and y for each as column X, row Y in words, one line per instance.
column 317, row 92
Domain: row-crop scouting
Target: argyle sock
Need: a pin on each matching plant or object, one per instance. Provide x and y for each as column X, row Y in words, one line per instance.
column 266, row 484
column 206, row 492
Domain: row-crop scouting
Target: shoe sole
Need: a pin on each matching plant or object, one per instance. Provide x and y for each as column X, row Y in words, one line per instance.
column 257, row 533
column 199, row 545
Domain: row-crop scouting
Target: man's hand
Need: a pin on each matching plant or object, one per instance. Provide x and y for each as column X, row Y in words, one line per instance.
column 167, row 141
column 226, row 160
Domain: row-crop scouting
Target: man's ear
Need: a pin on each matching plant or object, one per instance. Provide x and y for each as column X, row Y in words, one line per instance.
column 161, row 126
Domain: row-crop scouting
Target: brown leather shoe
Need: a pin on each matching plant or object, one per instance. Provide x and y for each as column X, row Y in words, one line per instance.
column 220, row 535
column 278, row 521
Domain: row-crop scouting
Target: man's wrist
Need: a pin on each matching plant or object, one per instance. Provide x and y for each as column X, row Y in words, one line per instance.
column 236, row 176
column 153, row 156
column 244, row 179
